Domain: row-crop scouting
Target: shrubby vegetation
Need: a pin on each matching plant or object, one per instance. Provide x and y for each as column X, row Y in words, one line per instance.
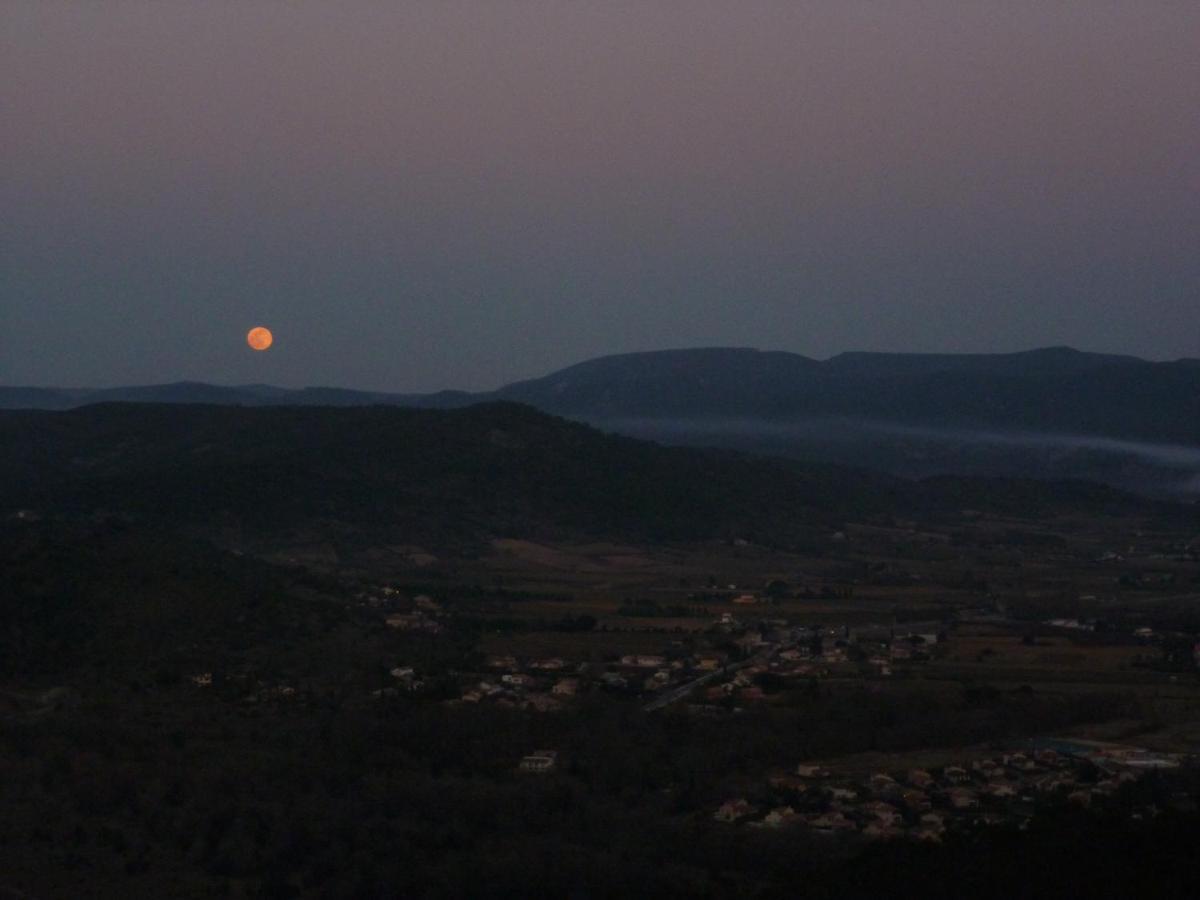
column 170, row 790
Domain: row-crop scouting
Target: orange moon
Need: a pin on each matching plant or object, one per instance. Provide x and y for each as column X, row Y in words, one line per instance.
column 259, row 338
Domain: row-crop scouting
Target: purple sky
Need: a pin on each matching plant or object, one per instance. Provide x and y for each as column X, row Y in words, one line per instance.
column 425, row 195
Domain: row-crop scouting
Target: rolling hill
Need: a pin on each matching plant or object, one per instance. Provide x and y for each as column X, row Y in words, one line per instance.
column 444, row 476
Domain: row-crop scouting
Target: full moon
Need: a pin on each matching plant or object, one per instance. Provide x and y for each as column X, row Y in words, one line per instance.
column 259, row 338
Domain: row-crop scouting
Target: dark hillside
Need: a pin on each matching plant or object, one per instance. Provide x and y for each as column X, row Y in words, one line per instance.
column 443, row 476
column 497, row 468
column 129, row 602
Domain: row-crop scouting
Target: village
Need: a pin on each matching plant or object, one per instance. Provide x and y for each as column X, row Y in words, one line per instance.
column 743, row 657
column 731, row 650
column 736, row 660
column 749, row 652
column 1005, row 788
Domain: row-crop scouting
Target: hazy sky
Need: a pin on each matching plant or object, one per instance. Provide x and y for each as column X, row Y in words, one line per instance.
column 416, row 195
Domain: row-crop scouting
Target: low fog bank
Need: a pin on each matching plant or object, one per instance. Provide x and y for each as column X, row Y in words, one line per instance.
column 1153, row 469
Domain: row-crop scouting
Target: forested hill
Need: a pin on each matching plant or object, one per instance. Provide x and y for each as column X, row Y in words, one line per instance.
column 437, row 475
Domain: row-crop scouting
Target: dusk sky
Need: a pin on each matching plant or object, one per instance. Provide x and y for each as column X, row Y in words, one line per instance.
column 428, row 195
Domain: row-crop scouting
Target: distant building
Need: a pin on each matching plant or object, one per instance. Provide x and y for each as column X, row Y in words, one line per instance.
column 884, row 813
column 778, row 817
column 540, row 762
column 811, row 771
column 1073, row 624
column 916, row 800
column 962, row 798
column 642, row 661
column 830, row 822
column 425, row 602
column 542, row 702
column 416, row 621
column 566, row 687
column 732, row 810
column 919, row 778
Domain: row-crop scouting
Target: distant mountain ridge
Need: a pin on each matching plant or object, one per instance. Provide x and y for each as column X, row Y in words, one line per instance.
column 1055, row 390
column 190, row 392
column 1051, row 413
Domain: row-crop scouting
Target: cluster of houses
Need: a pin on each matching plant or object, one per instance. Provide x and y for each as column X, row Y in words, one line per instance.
column 415, row 622
column 546, row 684
column 1164, row 639
column 418, row 614
column 252, row 690
column 746, row 652
column 1072, row 624
column 748, row 647
column 819, row 652
column 923, row 803
column 539, row 762
column 539, row 684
